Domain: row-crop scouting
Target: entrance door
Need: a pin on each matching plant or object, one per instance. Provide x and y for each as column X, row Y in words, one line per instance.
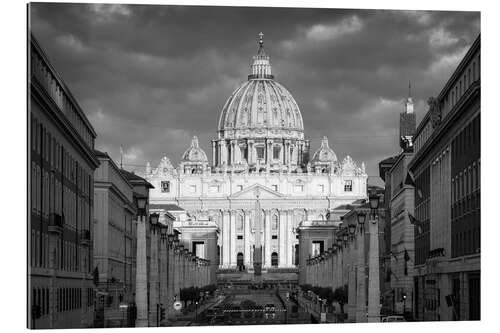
column 239, row 261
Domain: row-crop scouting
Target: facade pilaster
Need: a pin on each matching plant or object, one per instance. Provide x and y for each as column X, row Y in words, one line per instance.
column 290, row 238
column 282, row 238
column 267, row 237
column 246, row 240
column 226, row 258
column 233, row 238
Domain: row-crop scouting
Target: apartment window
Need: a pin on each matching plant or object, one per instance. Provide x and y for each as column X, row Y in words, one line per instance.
column 165, row 186
column 274, row 236
column 240, row 237
column 348, row 185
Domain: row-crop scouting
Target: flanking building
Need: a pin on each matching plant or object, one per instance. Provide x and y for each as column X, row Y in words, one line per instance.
column 114, row 244
column 61, row 182
column 398, row 232
column 447, row 226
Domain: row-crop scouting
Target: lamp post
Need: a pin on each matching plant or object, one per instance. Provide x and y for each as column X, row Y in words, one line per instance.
column 141, row 280
column 154, row 291
column 170, row 274
column 361, row 314
column 163, row 270
column 373, row 263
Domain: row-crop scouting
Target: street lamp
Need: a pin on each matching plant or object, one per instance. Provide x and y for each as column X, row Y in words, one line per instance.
column 361, row 219
column 141, row 205
column 374, row 200
column 352, row 229
column 373, row 261
column 163, row 232
column 339, row 242
column 153, row 219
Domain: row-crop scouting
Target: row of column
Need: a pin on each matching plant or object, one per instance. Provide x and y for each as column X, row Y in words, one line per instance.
column 229, row 152
column 171, row 268
column 345, row 265
column 285, row 243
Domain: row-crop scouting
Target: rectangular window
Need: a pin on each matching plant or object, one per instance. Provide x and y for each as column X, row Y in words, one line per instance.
column 321, row 188
column 276, row 152
column 274, row 236
column 192, row 188
column 317, row 247
column 260, row 152
column 275, row 188
column 199, row 249
column 165, row 186
column 348, row 185
column 298, row 188
column 213, row 189
column 239, row 187
column 239, row 237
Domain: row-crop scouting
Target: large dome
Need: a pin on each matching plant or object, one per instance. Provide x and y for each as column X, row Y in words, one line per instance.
column 261, row 107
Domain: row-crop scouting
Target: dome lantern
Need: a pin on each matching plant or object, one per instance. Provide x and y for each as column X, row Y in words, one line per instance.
column 260, row 67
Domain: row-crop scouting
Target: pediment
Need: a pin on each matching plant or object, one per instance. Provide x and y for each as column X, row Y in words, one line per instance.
column 249, row 193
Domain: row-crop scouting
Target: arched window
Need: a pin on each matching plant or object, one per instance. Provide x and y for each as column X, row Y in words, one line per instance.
column 275, row 222
column 239, row 222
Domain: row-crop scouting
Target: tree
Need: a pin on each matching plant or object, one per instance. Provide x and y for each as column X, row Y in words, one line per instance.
column 340, row 296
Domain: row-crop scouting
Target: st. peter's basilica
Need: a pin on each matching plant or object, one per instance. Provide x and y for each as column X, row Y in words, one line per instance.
column 260, row 148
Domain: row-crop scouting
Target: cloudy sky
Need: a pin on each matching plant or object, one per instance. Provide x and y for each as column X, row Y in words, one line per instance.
column 151, row 77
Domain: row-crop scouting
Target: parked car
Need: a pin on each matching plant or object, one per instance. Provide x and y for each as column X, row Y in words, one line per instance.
column 393, row 319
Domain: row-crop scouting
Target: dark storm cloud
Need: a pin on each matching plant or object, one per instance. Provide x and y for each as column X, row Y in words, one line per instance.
column 150, row 77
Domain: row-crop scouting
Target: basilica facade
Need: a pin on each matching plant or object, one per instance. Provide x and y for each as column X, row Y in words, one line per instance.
column 260, row 150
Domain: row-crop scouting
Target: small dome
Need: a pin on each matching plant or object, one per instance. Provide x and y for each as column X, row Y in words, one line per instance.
column 194, row 153
column 324, row 153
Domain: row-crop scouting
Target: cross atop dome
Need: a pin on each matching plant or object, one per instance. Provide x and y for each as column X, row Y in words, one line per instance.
column 261, row 38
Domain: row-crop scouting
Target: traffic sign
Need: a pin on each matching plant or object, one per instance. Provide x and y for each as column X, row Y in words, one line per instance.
column 177, row 305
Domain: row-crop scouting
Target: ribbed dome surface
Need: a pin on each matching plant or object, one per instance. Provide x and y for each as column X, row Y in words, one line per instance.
column 324, row 153
column 194, row 153
column 261, row 103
